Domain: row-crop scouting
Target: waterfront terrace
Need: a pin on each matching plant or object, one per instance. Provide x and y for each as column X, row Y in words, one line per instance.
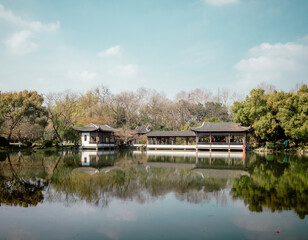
column 209, row 136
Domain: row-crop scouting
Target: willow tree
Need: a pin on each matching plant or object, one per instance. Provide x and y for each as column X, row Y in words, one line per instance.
column 16, row 107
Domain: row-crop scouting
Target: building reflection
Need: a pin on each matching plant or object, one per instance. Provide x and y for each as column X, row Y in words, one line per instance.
column 97, row 159
column 215, row 160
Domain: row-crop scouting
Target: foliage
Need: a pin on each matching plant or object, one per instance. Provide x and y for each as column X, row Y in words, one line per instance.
column 274, row 145
column 271, row 184
column 16, row 107
column 47, row 143
column 125, row 135
column 27, row 143
column 273, row 115
column 71, row 135
column 212, row 119
column 276, row 115
column 3, row 141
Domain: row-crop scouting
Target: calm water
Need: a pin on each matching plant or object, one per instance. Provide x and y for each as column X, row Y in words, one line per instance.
column 153, row 195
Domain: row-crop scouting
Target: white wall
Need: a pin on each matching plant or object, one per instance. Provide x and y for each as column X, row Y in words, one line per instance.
column 87, row 144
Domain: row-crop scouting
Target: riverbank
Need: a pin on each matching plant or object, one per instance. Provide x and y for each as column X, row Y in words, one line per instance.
column 300, row 150
column 14, row 147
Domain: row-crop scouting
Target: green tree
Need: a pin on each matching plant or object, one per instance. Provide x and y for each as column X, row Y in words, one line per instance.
column 71, row 135
column 16, row 107
column 275, row 116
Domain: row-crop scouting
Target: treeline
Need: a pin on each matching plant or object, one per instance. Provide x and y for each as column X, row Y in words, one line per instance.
column 29, row 115
column 32, row 116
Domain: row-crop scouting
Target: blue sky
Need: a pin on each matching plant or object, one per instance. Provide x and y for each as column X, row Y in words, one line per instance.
column 50, row 46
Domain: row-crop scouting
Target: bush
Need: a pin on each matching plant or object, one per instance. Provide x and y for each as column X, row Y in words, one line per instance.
column 270, row 145
column 56, row 143
column 2, row 156
column 143, row 140
column 38, row 143
column 3, row 141
column 27, row 143
column 47, row 143
column 274, row 146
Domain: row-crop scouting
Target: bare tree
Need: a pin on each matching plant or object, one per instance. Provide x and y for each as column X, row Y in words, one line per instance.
column 267, row 87
column 125, row 135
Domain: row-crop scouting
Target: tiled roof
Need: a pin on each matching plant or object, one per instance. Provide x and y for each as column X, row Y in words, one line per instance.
column 94, row 127
column 171, row 134
column 142, row 129
column 220, row 127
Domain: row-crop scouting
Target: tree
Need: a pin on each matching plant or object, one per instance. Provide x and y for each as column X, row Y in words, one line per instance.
column 216, row 110
column 125, row 135
column 71, row 135
column 16, row 107
column 275, row 116
column 63, row 112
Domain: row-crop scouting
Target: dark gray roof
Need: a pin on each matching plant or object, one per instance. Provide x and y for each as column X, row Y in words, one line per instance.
column 171, row 134
column 142, row 129
column 94, row 127
column 220, row 127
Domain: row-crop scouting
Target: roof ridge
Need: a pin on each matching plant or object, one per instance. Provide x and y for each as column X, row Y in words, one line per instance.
column 93, row 124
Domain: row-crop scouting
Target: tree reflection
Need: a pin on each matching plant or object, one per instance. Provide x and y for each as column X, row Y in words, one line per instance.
column 15, row 190
column 139, row 183
column 275, row 184
column 19, row 187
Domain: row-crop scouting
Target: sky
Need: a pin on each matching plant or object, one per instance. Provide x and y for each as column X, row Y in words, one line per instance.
column 166, row 45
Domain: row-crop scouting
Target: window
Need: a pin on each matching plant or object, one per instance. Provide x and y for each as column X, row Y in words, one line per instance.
column 85, row 138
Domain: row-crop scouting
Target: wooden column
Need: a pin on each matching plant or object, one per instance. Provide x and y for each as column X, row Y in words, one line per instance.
column 229, row 140
column 197, row 141
column 210, row 142
column 244, row 142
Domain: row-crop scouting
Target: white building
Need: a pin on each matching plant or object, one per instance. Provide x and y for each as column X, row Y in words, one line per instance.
column 96, row 136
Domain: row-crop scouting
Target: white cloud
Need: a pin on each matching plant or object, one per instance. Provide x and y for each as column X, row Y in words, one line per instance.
column 82, row 75
column 116, row 50
column 220, row 2
column 124, row 70
column 9, row 16
column 278, row 63
column 20, row 43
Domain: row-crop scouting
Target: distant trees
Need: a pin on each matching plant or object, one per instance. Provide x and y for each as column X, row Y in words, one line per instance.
column 275, row 115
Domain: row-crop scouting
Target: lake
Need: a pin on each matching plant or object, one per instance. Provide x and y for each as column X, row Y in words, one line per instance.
column 152, row 195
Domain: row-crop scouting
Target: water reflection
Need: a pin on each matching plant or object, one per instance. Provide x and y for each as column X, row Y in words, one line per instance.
column 277, row 184
column 17, row 189
column 261, row 181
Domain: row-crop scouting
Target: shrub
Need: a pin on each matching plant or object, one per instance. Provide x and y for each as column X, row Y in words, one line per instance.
column 143, row 139
column 37, row 143
column 3, row 141
column 27, row 143
column 47, row 143
column 2, row 156
column 56, row 143
column 274, row 146
column 270, row 145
